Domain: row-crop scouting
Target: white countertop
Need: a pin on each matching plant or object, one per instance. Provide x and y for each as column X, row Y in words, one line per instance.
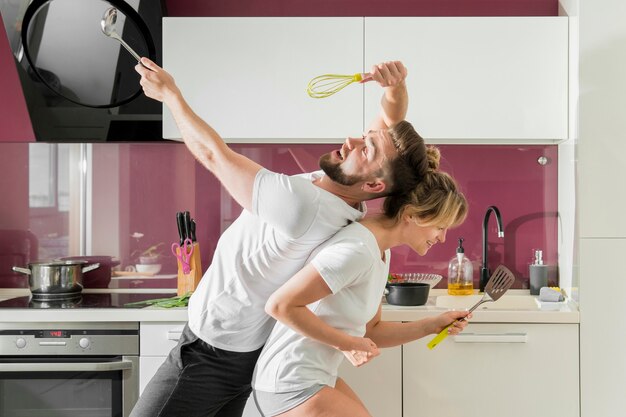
column 562, row 312
column 565, row 312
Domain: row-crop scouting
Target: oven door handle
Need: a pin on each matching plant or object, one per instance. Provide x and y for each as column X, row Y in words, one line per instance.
column 66, row 367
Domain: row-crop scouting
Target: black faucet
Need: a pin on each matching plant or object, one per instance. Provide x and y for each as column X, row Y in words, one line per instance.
column 484, row 270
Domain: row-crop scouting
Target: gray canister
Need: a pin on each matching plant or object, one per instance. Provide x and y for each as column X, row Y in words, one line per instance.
column 538, row 274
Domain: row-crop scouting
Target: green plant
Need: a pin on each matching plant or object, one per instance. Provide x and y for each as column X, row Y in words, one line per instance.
column 150, row 252
column 179, row 301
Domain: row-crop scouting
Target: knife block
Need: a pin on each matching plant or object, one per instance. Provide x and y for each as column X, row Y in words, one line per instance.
column 189, row 282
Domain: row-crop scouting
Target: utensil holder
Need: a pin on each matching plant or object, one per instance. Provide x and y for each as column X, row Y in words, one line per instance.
column 189, row 282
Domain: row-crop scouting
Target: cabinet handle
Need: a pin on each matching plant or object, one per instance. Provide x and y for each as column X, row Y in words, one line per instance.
column 491, row 338
column 174, row 334
column 66, row 367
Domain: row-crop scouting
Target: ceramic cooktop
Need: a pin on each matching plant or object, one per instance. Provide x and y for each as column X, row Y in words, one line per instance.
column 89, row 300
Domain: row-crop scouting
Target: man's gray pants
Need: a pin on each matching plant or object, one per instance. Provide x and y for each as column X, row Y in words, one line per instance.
column 198, row 380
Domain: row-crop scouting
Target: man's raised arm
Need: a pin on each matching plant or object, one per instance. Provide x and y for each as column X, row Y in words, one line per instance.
column 233, row 170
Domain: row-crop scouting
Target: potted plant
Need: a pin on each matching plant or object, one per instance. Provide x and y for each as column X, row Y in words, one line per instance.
column 148, row 256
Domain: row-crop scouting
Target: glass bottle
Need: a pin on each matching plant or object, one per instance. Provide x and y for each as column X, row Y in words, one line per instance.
column 460, row 273
column 538, row 273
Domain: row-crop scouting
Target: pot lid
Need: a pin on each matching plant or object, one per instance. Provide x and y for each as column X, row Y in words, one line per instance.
column 58, row 263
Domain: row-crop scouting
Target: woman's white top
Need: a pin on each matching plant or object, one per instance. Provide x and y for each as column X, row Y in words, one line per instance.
column 350, row 263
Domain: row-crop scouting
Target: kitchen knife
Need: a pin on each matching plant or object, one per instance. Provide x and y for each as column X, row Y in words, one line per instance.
column 193, row 230
column 187, row 225
column 181, row 227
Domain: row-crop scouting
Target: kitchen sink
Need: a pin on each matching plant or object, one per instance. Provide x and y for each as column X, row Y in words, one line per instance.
column 507, row 302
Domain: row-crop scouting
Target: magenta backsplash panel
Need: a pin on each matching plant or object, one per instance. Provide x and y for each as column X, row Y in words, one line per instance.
column 153, row 181
column 182, row 8
column 509, row 177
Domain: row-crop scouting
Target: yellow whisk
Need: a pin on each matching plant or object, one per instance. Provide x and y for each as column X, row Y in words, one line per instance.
column 328, row 84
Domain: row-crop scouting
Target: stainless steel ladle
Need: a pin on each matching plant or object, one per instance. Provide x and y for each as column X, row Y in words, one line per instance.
column 108, row 28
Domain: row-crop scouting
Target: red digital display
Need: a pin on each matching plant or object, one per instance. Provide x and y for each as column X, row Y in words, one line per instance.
column 54, row 333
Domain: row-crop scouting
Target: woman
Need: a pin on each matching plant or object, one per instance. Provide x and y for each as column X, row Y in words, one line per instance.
column 336, row 299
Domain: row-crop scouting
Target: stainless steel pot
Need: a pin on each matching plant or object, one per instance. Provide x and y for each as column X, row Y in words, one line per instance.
column 101, row 277
column 56, row 277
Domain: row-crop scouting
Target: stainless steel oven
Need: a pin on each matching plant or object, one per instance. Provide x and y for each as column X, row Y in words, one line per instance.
column 68, row 369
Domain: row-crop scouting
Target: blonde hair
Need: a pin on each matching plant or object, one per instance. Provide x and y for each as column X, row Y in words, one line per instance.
column 435, row 200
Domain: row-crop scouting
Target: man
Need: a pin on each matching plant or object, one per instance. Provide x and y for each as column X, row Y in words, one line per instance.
column 284, row 218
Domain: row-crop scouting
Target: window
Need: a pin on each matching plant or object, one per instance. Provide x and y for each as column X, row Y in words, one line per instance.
column 48, row 176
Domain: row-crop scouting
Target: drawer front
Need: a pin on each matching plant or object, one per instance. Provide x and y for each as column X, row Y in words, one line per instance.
column 500, row 369
column 157, row 339
column 147, row 368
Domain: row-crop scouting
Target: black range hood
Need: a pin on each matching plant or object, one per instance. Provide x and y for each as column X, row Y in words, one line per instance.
column 80, row 85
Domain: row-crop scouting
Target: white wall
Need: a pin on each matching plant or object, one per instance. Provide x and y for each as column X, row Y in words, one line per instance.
column 568, row 262
column 601, row 154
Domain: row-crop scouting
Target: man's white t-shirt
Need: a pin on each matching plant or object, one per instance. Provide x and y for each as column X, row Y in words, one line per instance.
column 350, row 263
column 258, row 253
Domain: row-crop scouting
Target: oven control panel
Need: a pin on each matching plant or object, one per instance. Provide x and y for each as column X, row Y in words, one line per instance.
column 64, row 341
column 20, row 343
column 84, row 343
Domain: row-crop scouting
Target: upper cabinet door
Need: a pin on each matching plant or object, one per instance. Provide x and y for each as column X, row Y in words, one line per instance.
column 477, row 79
column 247, row 77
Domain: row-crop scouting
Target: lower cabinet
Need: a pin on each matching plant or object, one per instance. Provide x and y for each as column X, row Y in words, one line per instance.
column 495, row 370
column 490, row 370
column 156, row 339
column 378, row 383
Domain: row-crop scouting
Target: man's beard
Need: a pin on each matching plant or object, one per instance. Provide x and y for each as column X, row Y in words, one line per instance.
column 334, row 172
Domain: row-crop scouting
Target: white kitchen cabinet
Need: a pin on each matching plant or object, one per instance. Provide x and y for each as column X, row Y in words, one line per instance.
column 491, row 369
column 378, row 383
column 602, row 338
column 148, row 366
column 247, row 77
column 495, row 370
column 156, row 339
column 477, row 79
column 471, row 79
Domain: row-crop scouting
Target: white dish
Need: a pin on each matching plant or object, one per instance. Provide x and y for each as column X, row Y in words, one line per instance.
column 148, row 268
column 144, row 275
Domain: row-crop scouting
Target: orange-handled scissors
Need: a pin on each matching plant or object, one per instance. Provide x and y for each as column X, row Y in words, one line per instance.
column 183, row 254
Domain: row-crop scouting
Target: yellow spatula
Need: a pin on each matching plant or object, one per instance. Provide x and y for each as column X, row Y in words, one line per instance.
column 500, row 281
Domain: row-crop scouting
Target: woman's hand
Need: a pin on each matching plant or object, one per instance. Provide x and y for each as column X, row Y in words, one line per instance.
column 454, row 317
column 360, row 350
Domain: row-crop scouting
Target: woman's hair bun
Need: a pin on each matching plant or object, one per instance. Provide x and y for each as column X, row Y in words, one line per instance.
column 433, row 156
